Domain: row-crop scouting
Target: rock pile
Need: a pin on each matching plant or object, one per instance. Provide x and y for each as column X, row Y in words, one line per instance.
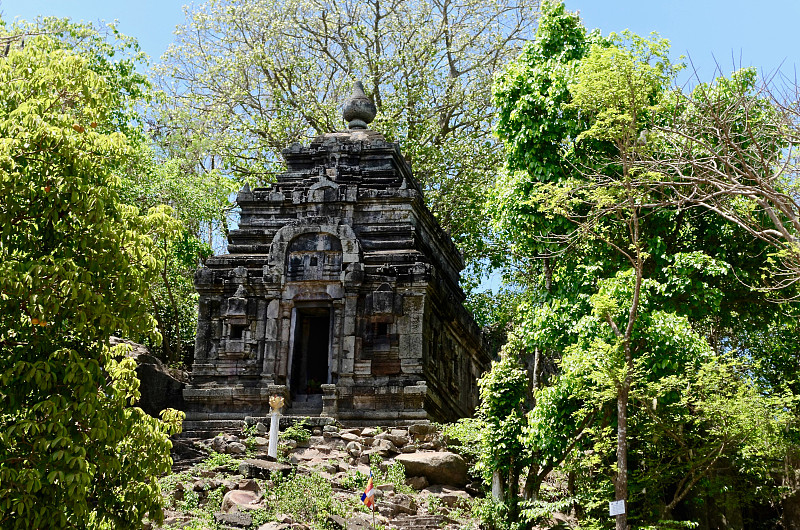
column 438, row 477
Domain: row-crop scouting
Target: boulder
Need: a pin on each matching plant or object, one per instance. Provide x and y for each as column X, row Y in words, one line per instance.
column 256, row 468
column 438, row 467
column 421, row 429
column 160, row 386
column 235, row 448
column 272, row 525
column 337, row 522
column 240, row 501
column 354, row 449
column 398, row 441
column 248, row 485
column 385, row 448
column 417, row 483
column 218, row 444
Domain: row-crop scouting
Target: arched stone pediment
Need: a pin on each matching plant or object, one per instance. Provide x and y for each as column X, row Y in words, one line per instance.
column 306, row 240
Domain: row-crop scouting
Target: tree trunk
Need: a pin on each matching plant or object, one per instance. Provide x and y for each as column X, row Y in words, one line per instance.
column 512, row 492
column 621, row 484
column 497, row 486
column 533, row 482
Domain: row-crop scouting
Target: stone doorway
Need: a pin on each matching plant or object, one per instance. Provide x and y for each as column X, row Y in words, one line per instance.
column 310, row 355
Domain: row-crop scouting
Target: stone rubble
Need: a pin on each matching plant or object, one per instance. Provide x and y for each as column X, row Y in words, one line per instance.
column 431, row 471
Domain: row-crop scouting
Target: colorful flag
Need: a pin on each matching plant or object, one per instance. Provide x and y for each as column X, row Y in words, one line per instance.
column 368, row 497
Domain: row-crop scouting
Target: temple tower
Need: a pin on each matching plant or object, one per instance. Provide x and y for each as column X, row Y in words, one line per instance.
column 340, row 292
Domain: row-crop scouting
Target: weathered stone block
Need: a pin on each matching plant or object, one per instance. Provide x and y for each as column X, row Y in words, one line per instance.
column 255, row 468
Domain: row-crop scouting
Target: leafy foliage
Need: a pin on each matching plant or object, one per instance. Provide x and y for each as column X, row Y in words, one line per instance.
column 246, row 79
column 75, row 266
column 635, row 320
column 297, row 432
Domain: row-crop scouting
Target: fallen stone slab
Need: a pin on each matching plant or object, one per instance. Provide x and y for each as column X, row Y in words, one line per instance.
column 235, row 448
column 385, row 447
column 354, row 449
column 248, row 485
column 369, row 432
column 205, row 484
column 438, row 467
column 236, row 519
column 449, row 496
column 399, row 504
column 256, row 468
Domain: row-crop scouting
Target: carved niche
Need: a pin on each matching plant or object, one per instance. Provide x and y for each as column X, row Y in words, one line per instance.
column 314, row 257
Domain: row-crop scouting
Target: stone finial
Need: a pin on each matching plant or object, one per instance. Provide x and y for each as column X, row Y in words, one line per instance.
column 358, row 110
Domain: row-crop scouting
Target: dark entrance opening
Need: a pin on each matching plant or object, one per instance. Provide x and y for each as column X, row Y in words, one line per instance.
column 311, row 345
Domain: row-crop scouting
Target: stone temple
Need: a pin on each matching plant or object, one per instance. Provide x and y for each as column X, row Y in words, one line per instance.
column 340, row 292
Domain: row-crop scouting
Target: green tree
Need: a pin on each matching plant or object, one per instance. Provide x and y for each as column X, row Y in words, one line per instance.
column 730, row 146
column 617, row 87
column 75, row 267
column 151, row 177
column 199, row 202
column 246, row 79
column 626, row 290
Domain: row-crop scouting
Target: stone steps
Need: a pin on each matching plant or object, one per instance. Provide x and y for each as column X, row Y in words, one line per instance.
column 210, row 427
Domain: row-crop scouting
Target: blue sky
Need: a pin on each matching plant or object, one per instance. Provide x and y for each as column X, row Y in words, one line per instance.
column 761, row 34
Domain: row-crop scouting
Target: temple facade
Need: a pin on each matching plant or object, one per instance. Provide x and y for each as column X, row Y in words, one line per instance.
column 340, row 292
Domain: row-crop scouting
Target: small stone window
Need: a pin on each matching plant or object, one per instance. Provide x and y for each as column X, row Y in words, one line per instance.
column 313, row 261
column 237, row 331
